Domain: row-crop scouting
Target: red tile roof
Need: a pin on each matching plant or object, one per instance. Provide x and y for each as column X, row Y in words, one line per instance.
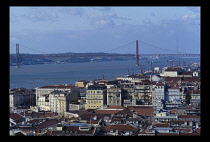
column 188, row 116
column 161, row 125
column 46, row 124
column 173, row 111
column 58, row 86
column 169, row 79
column 172, row 69
column 126, row 112
column 142, row 110
column 167, row 134
column 198, row 130
column 183, row 130
column 189, row 134
column 106, row 111
column 186, row 73
column 19, row 134
column 173, row 87
column 194, row 91
column 16, row 116
column 115, row 107
column 177, row 121
column 120, row 127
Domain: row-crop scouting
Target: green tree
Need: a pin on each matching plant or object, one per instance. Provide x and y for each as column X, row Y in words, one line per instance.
column 188, row 98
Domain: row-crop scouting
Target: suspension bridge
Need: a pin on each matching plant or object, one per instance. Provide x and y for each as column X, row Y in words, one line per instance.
column 106, row 53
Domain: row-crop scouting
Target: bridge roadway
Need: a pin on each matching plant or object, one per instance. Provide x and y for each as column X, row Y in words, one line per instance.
column 98, row 55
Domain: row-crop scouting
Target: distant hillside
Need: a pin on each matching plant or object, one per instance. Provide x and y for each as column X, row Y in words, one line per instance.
column 32, row 59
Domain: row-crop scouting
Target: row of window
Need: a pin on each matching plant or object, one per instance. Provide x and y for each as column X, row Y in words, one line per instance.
column 94, row 97
column 95, row 106
column 94, row 102
column 94, row 92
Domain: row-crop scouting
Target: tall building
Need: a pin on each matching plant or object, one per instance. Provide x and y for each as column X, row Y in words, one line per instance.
column 96, row 96
column 159, row 97
column 173, row 97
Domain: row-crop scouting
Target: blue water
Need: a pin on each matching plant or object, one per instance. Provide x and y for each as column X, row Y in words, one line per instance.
column 32, row 76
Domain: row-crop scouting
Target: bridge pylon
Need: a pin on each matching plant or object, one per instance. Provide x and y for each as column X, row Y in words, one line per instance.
column 17, row 56
column 137, row 53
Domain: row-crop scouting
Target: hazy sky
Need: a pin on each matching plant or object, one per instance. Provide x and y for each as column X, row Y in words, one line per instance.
column 101, row 29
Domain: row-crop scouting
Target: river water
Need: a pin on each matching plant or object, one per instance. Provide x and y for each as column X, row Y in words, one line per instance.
column 32, row 76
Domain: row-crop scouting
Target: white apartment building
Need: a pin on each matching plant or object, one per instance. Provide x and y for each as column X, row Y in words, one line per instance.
column 21, row 97
column 40, row 91
column 57, row 101
column 174, row 97
column 56, row 98
column 159, row 97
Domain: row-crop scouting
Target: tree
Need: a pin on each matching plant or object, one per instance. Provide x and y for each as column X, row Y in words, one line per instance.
column 188, row 97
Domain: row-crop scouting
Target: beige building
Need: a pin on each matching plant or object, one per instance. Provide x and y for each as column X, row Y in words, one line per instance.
column 96, row 97
column 81, row 83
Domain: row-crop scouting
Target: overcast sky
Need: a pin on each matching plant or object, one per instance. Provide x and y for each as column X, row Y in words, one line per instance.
column 105, row 29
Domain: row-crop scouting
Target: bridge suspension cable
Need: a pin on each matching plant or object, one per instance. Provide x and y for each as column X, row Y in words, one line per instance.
column 33, row 49
column 119, row 46
column 163, row 48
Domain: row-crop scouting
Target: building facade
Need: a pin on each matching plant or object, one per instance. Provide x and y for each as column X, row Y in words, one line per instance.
column 96, row 96
column 115, row 96
column 159, row 97
column 21, row 97
column 172, row 72
column 42, row 91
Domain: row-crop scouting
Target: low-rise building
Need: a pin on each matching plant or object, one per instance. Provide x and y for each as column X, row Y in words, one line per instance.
column 120, row 130
column 172, row 72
